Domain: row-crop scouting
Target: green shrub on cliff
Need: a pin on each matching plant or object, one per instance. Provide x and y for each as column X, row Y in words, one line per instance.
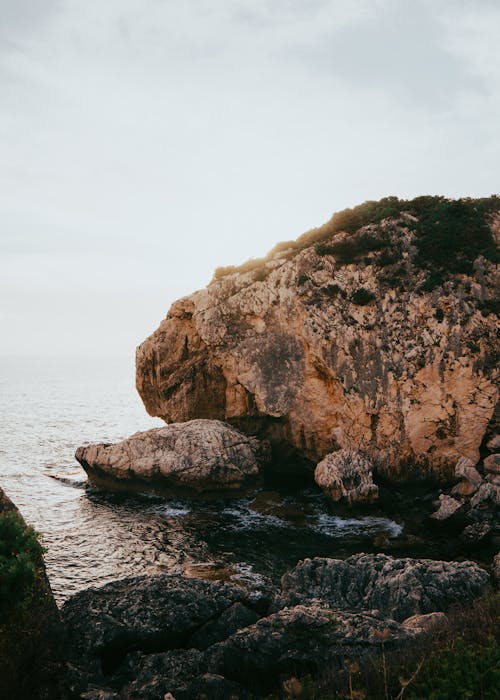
column 20, row 554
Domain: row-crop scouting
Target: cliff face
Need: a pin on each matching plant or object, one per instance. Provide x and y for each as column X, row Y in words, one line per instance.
column 352, row 342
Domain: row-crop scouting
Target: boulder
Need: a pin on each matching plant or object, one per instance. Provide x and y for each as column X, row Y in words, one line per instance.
column 302, row 640
column 201, row 455
column 492, row 464
column 495, row 569
column 151, row 629
column 399, row 588
column 346, row 475
column 314, row 368
column 426, row 623
column 448, row 507
column 493, row 445
column 487, row 495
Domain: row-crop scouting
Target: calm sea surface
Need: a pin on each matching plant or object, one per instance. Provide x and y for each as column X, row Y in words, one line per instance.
column 50, row 407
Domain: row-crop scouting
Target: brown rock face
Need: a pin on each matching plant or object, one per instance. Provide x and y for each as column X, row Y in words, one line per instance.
column 318, row 355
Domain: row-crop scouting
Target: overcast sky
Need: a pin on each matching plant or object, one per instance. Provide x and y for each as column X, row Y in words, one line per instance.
column 145, row 142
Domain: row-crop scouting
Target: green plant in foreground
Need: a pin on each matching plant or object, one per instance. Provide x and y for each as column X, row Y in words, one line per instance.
column 20, row 554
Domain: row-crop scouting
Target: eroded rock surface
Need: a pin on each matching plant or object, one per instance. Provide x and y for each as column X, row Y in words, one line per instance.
column 398, row 588
column 346, row 476
column 200, row 454
column 316, row 354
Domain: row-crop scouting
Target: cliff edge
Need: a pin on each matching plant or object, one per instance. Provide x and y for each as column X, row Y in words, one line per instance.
column 376, row 332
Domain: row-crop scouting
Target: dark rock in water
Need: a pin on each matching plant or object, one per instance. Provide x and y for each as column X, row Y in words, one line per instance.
column 302, row 640
column 31, row 654
column 398, row 588
column 149, row 615
column 202, row 455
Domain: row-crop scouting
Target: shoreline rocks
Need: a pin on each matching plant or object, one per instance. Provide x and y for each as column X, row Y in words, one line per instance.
column 145, row 637
column 200, row 455
column 346, row 476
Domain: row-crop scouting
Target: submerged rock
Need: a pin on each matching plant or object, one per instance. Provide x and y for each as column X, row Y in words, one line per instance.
column 203, row 455
column 398, row 588
column 346, row 476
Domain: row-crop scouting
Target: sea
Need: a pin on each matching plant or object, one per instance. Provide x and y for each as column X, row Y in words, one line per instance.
column 50, row 406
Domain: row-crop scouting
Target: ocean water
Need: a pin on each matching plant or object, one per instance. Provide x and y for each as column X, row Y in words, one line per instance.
column 48, row 407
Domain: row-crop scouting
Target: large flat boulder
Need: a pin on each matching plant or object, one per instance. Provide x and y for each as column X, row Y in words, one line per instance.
column 398, row 588
column 202, row 455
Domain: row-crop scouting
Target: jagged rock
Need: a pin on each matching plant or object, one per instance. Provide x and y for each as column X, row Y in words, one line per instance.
column 303, row 639
column 145, row 615
column 493, row 445
column 306, row 366
column 448, row 507
column 475, row 533
column 487, row 493
column 466, row 469
column 397, row 587
column 199, row 455
column 346, row 475
column 426, row 623
column 492, row 464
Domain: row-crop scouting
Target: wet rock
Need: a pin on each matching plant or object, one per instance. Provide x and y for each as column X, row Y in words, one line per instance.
column 492, row 464
column 301, row 640
column 346, row 476
column 426, row 623
column 203, row 455
column 448, row 507
column 398, row 588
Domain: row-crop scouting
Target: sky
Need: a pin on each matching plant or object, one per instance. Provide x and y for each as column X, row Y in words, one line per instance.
column 143, row 143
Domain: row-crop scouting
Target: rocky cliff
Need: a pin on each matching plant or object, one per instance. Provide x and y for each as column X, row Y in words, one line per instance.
column 375, row 332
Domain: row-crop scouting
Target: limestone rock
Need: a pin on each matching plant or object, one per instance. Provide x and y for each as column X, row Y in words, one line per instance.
column 304, row 366
column 448, row 507
column 200, row 455
column 303, row 639
column 398, row 588
column 426, row 623
column 486, row 494
column 492, row 464
column 346, row 475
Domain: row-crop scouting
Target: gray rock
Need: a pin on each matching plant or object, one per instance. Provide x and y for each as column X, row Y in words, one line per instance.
column 475, row 533
column 346, row 476
column 302, row 640
column 200, row 455
column 426, row 623
column 492, row 464
column 487, row 494
column 146, row 615
column 398, row 588
column 448, row 506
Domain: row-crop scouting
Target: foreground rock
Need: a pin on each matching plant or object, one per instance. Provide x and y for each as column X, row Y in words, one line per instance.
column 399, row 588
column 145, row 637
column 30, row 639
column 203, row 455
column 346, row 476
column 348, row 343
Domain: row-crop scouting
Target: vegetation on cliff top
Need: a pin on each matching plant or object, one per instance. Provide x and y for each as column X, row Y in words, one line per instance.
column 449, row 235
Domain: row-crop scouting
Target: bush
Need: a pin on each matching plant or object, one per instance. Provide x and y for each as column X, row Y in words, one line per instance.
column 20, row 554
